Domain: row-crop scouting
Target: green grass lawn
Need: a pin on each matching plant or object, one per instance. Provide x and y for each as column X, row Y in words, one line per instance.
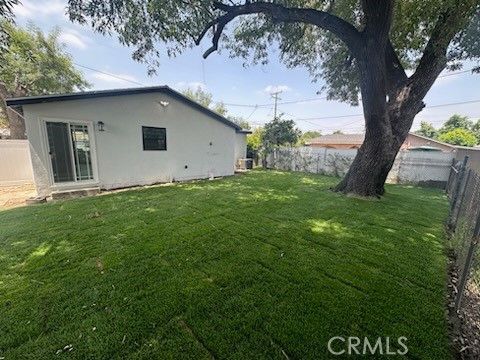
column 264, row 265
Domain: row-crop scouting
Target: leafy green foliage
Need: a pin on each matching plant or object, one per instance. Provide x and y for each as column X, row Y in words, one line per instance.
column 250, row 267
column 179, row 23
column 240, row 121
column 6, row 9
column 456, row 122
column 427, row 129
column 458, row 136
column 255, row 142
column 308, row 135
column 36, row 64
column 205, row 98
column 280, row 132
column 457, row 130
column 476, row 130
column 255, row 139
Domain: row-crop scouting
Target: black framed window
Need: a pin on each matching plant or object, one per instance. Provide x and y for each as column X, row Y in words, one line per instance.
column 154, row 138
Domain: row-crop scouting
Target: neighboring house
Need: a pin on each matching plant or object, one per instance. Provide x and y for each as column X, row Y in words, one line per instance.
column 473, row 154
column 415, row 141
column 337, row 141
column 119, row 138
column 354, row 141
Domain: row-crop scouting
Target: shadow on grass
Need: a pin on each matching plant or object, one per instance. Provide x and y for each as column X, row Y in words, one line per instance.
column 255, row 266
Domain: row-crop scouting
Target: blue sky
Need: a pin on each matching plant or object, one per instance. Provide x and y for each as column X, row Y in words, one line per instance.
column 229, row 81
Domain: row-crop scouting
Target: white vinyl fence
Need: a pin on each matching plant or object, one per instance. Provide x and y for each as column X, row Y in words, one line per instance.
column 15, row 163
column 410, row 167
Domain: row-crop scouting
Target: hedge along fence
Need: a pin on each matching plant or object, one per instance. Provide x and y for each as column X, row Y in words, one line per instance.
column 411, row 167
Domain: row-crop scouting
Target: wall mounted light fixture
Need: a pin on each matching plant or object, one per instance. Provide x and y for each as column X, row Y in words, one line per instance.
column 101, row 126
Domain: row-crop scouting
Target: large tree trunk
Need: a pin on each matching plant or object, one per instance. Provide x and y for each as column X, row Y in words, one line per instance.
column 370, row 167
column 15, row 119
column 17, row 125
column 375, row 158
column 386, row 122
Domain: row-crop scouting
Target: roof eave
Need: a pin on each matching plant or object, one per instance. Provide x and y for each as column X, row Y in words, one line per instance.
column 120, row 92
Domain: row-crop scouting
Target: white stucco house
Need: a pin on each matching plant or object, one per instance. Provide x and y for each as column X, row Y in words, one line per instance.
column 119, row 138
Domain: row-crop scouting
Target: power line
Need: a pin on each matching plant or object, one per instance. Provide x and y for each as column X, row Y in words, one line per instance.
column 308, row 120
column 109, row 74
column 275, row 95
column 455, row 73
column 279, row 102
column 355, row 115
column 325, row 97
column 249, row 116
column 452, row 104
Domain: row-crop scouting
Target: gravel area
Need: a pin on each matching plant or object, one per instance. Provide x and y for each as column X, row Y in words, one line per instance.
column 14, row 196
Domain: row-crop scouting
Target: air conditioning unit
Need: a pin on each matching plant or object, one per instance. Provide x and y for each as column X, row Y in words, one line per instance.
column 244, row 164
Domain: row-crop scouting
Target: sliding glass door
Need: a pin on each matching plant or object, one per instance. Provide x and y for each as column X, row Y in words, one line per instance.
column 70, row 151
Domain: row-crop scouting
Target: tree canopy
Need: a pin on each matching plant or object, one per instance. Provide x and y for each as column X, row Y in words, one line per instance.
column 458, row 136
column 280, row 131
column 476, row 130
column 6, row 9
column 427, row 129
column 182, row 24
column 457, row 130
column 456, row 121
column 205, row 98
column 361, row 48
column 34, row 64
column 308, row 135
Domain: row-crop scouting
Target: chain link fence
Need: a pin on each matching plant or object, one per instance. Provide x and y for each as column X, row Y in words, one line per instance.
column 463, row 190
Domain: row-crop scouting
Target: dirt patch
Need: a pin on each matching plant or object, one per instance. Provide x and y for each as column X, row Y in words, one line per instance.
column 14, row 196
column 465, row 324
column 470, row 322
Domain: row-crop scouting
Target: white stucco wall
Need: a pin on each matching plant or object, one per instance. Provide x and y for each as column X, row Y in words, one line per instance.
column 15, row 164
column 205, row 145
column 240, row 146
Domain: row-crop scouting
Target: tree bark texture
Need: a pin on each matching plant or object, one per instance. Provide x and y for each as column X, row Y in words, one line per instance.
column 17, row 125
column 15, row 119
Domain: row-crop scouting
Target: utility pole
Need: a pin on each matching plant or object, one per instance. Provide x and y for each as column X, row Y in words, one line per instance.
column 276, row 97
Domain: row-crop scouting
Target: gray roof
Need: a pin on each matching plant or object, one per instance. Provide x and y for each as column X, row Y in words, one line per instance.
column 350, row 139
column 357, row 139
column 122, row 92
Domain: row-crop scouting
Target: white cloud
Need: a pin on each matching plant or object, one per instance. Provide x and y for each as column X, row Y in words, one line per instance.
column 183, row 85
column 74, row 39
column 35, row 9
column 270, row 89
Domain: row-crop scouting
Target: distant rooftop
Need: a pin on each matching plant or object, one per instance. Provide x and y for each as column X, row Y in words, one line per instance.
column 339, row 139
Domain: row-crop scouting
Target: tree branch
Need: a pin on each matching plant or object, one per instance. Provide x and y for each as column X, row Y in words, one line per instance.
column 279, row 13
column 378, row 17
column 396, row 75
column 434, row 58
